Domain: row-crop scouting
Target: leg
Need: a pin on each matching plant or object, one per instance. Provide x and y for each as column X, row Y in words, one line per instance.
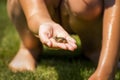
column 89, row 28
column 30, row 45
column 84, row 19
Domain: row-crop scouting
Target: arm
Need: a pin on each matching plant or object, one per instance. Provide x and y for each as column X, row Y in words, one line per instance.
column 111, row 37
column 41, row 24
column 36, row 13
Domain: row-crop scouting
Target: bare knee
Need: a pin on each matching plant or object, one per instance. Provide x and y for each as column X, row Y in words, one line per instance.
column 15, row 12
column 86, row 9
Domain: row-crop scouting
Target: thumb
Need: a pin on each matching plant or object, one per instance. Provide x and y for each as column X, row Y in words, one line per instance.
column 45, row 35
column 45, row 39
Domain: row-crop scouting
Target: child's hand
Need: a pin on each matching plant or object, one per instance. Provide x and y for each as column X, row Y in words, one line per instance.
column 49, row 31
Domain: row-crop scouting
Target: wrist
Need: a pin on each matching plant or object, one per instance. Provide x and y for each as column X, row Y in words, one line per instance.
column 35, row 22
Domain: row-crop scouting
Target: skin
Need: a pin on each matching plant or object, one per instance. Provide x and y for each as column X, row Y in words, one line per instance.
column 60, row 40
column 39, row 23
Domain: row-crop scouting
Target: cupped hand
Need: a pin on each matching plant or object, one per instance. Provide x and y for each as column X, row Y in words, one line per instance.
column 48, row 32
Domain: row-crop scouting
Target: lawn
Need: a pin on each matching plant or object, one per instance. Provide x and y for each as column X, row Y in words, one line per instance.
column 53, row 64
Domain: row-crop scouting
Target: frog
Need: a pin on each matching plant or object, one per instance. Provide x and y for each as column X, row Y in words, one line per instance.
column 60, row 39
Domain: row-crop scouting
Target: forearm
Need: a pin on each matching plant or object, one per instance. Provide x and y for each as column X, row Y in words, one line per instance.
column 111, row 36
column 36, row 13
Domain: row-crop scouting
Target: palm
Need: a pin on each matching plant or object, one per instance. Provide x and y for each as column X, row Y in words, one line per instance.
column 48, row 31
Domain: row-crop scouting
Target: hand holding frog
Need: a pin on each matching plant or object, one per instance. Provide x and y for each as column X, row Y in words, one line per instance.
column 50, row 32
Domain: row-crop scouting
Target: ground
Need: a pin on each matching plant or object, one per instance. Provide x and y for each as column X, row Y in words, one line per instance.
column 53, row 64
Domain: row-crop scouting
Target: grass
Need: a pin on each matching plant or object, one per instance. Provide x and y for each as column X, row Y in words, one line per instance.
column 53, row 65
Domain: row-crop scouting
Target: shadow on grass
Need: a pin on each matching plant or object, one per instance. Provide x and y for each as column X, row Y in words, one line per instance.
column 68, row 65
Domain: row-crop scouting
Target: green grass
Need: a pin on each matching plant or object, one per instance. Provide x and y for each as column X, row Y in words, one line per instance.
column 53, row 65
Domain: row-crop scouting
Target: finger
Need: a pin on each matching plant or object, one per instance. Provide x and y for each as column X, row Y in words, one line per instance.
column 72, row 42
column 74, row 45
column 58, row 45
column 71, row 47
column 71, row 39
